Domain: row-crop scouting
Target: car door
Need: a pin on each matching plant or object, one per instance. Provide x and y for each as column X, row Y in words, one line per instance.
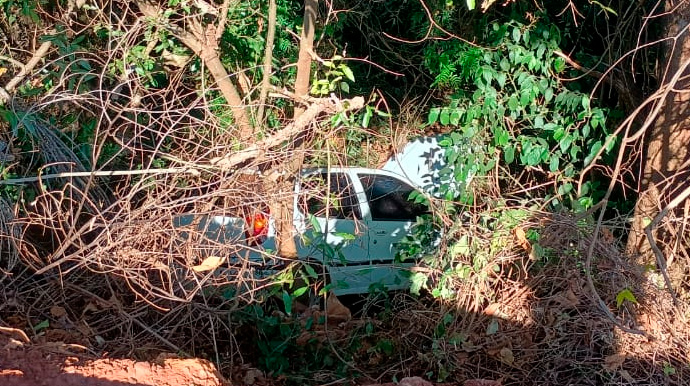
column 330, row 198
column 390, row 213
column 389, row 216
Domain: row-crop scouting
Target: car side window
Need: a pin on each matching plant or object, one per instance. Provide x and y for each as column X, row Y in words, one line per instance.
column 388, row 198
column 339, row 198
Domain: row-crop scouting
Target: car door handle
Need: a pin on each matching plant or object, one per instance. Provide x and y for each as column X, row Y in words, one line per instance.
column 380, row 233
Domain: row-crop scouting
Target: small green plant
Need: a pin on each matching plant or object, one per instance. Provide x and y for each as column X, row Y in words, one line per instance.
column 332, row 76
column 669, row 369
column 625, row 295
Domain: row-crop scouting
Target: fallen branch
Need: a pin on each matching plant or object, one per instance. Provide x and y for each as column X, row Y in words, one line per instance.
column 40, row 53
column 229, row 161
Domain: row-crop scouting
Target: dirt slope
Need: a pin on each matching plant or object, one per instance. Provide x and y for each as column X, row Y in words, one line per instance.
column 59, row 364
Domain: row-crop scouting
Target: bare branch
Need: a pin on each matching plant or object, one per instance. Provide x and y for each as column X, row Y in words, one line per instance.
column 231, row 160
column 40, row 53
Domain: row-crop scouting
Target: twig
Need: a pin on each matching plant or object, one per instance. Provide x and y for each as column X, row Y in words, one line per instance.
column 222, row 19
column 21, row 334
column 15, row 62
column 660, row 260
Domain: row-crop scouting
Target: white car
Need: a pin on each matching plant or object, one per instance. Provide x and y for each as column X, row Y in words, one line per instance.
column 348, row 220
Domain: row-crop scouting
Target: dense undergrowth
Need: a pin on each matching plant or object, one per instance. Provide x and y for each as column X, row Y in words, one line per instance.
column 528, row 285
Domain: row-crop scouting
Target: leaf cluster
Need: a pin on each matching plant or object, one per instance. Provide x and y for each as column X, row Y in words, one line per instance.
column 509, row 105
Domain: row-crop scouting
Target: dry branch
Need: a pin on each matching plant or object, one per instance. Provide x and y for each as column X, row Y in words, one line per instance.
column 230, row 161
column 660, row 260
column 35, row 59
column 101, row 173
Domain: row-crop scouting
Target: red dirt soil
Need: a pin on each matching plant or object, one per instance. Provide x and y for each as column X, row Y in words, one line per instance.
column 59, row 364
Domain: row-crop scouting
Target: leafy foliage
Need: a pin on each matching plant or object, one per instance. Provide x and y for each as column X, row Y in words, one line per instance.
column 510, row 99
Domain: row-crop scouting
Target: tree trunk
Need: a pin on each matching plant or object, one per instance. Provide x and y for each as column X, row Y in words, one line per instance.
column 306, row 49
column 665, row 168
column 283, row 208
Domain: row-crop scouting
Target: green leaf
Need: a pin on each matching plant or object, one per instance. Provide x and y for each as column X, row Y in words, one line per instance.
column 347, row 72
column 300, row 291
column 516, row 34
column 445, row 116
column 585, row 131
column 488, row 75
column 345, row 87
column 311, row 272
column 509, row 154
column 455, row 117
column 539, row 122
column 624, row 295
column 433, row 115
column 471, row 4
column 565, row 188
column 513, row 103
column 42, row 326
column 315, row 223
column 501, row 137
column 559, row 65
column 417, row 282
column 593, row 152
column 585, row 102
column 345, row 236
column 501, row 79
column 462, row 247
column 287, row 300
column 565, row 143
column 531, row 155
column 367, row 117
column 553, row 164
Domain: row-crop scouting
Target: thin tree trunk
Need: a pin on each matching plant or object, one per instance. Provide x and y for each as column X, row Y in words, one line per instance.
column 268, row 59
column 306, row 49
column 283, row 208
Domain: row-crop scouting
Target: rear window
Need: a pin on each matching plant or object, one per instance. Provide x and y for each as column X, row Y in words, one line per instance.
column 388, row 198
column 324, row 197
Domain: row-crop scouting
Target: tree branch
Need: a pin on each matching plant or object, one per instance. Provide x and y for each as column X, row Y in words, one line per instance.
column 306, row 45
column 660, row 260
column 40, row 53
column 229, row 161
column 205, row 44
